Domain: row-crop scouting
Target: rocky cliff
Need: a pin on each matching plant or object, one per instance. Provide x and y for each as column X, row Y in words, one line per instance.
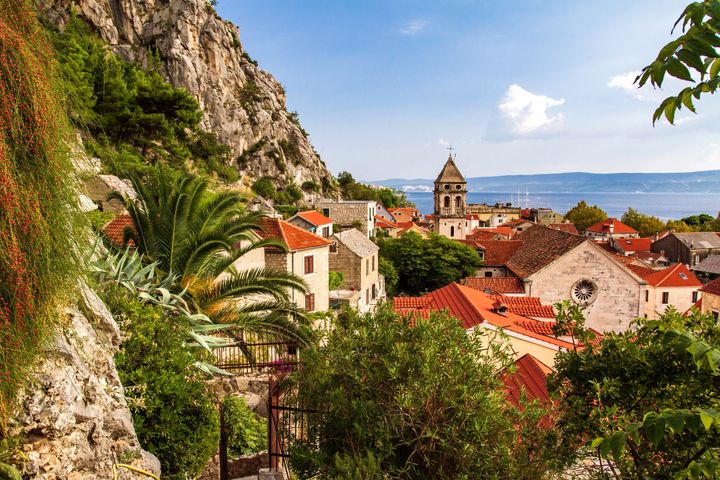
column 73, row 418
column 242, row 104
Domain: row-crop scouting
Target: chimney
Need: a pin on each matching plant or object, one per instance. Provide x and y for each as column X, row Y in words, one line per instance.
column 611, row 227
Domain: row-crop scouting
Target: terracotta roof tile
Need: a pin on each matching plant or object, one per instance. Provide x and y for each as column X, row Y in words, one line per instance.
column 495, row 284
column 480, row 235
column 529, row 378
column 315, row 218
column 293, row 236
column 507, row 231
column 634, row 244
column 604, row 227
column 499, row 252
column 115, row 229
column 380, row 222
column 712, row 288
column 564, row 227
column 541, row 246
column 527, row 306
column 673, row 276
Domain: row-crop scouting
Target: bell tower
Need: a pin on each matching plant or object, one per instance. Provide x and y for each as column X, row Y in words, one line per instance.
column 450, row 195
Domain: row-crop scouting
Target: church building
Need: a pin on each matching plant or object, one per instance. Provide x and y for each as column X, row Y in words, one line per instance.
column 450, row 202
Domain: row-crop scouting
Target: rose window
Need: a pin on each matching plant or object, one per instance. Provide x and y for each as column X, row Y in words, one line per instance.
column 584, row 291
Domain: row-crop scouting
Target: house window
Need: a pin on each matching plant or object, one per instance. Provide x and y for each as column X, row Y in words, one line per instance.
column 647, row 296
column 482, row 254
column 367, row 296
column 457, row 202
column 447, row 202
column 310, row 302
column 374, row 291
column 309, row 264
column 333, row 247
column 452, row 231
column 715, row 315
column 326, row 212
column 326, row 232
column 367, row 266
column 373, row 263
column 488, row 274
column 694, row 297
column 666, row 298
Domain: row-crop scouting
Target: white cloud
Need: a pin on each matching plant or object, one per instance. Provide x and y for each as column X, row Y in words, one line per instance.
column 525, row 114
column 626, row 83
column 414, row 27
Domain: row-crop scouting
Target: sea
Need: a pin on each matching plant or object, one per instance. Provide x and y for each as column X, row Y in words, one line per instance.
column 664, row 205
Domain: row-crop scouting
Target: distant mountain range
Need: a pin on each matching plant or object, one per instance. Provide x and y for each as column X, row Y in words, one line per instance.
column 578, row 182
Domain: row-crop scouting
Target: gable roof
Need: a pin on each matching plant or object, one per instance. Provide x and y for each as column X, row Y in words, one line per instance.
column 604, row 227
column 506, row 231
column 633, row 244
column 530, row 378
column 710, row 264
column 314, row 218
column 450, row 173
column 381, row 222
column 527, row 307
column 676, row 275
column 699, row 239
column 498, row 252
column 564, row 227
column 293, row 236
column 473, row 308
column 357, row 242
column 541, row 246
column 115, row 229
column 480, row 235
column 495, row 284
column 712, row 288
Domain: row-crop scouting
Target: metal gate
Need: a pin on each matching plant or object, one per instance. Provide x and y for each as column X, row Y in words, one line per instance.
column 287, row 423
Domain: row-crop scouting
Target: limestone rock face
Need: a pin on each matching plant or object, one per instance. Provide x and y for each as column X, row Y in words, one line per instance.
column 74, row 418
column 242, row 104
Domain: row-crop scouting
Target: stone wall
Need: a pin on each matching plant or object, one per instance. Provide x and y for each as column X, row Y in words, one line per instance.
column 710, row 303
column 620, row 296
column 73, row 415
column 317, row 281
column 678, row 297
column 347, row 214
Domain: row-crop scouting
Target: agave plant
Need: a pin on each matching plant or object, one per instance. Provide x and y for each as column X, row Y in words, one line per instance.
column 128, row 270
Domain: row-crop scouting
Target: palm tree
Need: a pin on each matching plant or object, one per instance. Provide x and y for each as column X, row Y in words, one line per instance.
column 197, row 235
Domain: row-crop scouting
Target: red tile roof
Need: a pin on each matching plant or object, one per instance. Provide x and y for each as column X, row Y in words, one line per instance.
column 495, row 284
column 527, row 306
column 541, row 246
column 528, row 378
column 315, row 218
column 499, row 252
column 480, row 235
column 294, row 237
column 473, row 308
column 712, row 288
column 380, row 222
column 507, row 231
column 410, row 302
column 115, row 229
column 633, row 244
column 604, row 227
column 673, row 276
column 564, row 227
column 470, row 216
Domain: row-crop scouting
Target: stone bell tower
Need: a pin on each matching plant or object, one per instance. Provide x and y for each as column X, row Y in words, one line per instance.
column 450, row 200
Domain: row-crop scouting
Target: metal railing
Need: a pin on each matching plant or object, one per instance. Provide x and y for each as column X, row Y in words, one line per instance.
column 256, row 352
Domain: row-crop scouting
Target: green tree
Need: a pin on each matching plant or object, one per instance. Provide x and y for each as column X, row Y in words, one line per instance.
column 335, row 279
column 265, row 188
column 198, row 235
column 692, row 57
column 388, row 270
column 422, row 402
column 634, row 387
column 582, row 215
column 647, row 225
column 424, row 265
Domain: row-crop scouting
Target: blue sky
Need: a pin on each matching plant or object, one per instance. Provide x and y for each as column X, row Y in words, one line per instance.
column 516, row 86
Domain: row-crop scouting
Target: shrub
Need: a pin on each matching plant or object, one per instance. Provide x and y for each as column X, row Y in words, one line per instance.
column 174, row 417
column 310, row 186
column 39, row 261
column 264, row 187
column 335, row 280
column 247, row 431
column 423, row 402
